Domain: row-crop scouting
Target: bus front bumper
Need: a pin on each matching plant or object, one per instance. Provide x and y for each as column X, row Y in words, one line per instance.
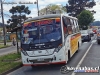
column 51, row 59
column 61, row 62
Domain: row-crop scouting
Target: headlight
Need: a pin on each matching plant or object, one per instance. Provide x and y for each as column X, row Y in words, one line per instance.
column 57, row 49
column 24, row 52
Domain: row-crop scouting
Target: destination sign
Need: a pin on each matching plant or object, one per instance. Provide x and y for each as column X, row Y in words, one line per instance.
column 43, row 22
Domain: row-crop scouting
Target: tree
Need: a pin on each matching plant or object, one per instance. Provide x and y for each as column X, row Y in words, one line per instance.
column 85, row 18
column 17, row 18
column 75, row 7
column 52, row 9
column 1, row 31
column 18, row 15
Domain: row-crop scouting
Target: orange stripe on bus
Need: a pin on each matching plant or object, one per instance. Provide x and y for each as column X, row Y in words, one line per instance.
column 75, row 36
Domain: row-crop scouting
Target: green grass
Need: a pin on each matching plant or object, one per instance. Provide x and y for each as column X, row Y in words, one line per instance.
column 1, row 41
column 2, row 46
column 9, row 61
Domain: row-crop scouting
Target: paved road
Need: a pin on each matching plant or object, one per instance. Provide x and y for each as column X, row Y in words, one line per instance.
column 8, row 49
column 55, row 69
column 92, row 59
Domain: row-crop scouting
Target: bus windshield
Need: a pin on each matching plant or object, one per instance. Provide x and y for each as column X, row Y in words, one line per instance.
column 41, row 32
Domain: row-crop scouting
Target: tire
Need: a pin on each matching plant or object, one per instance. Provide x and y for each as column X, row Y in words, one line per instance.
column 68, row 55
column 89, row 39
column 98, row 42
column 78, row 48
column 34, row 67
column 81, row 41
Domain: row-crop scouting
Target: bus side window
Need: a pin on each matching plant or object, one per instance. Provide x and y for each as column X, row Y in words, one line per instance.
column 73, row 26
column 77, row 25
column 69, row 26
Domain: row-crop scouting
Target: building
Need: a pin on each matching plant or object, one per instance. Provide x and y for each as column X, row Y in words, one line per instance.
column 9, row 35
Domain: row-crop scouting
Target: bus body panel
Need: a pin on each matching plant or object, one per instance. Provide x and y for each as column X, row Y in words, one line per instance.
column 67, row 47
column 75, row 39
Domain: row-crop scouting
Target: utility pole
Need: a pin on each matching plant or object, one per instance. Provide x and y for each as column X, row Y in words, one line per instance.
column 3, row 23
column 37, row 7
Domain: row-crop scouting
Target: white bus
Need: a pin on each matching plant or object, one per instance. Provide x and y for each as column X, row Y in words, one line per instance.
column 49, row 39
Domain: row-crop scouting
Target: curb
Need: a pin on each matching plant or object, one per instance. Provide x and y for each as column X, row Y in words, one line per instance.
column 15, row 68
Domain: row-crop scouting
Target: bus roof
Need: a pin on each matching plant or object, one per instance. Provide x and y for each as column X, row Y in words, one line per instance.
column 48, row 16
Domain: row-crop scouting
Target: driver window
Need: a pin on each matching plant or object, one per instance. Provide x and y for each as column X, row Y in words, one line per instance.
column 65, row 27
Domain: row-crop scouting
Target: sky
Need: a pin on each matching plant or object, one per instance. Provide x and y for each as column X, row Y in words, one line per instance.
column 7, row 5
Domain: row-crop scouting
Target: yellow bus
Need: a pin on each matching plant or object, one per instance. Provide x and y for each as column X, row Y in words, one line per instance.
column 49, row 39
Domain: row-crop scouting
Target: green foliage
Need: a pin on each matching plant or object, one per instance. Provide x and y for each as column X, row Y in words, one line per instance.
column 9, row 61
column 85, row 18
column 51, row 8
column 11, row 56
column 75, row 7
column 18, row 16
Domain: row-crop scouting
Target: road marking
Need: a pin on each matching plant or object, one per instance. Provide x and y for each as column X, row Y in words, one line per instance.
column 93, row 41
column 82, row 58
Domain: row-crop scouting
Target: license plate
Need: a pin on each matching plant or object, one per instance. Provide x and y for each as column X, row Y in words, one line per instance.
column 40, row 59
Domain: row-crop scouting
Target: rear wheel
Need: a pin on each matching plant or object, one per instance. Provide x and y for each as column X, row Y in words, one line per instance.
column 89, row 39
column 78, row 48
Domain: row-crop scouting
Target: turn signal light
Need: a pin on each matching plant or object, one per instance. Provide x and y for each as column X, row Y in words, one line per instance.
column 57, row 19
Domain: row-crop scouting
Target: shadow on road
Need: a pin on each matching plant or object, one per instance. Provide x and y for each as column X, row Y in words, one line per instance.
column 47, row 67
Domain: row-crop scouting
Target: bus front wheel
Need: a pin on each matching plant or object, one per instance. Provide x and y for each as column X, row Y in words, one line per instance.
column 68, row 55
